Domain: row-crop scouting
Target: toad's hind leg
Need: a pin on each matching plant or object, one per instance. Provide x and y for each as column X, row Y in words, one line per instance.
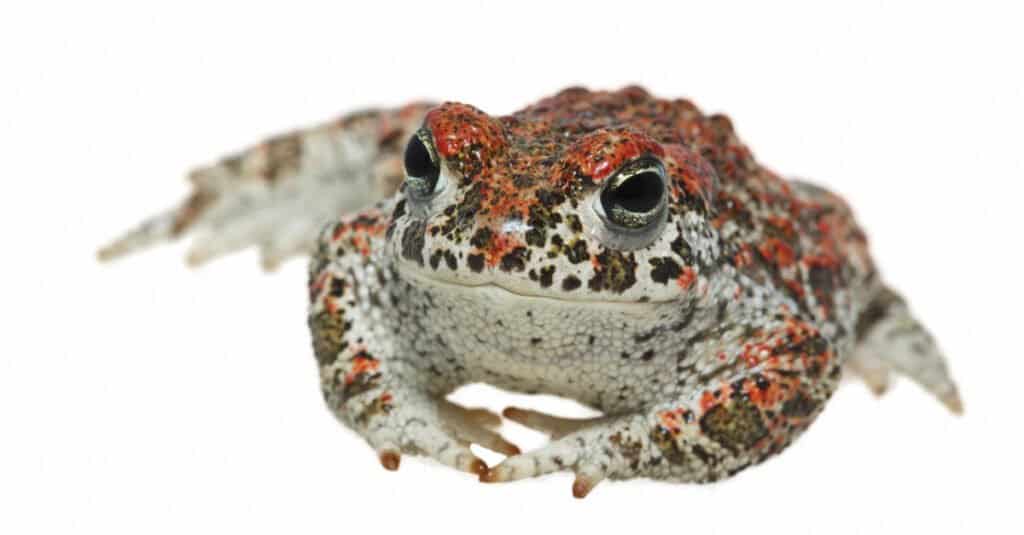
column 889, row 337
column 871, row 369
column 277, row 194
column 734, row 419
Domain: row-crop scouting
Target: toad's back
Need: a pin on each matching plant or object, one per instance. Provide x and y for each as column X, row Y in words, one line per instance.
column 794, row 235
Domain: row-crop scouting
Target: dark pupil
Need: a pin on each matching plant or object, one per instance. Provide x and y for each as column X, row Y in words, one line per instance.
column 419, row 166
column 640, row 193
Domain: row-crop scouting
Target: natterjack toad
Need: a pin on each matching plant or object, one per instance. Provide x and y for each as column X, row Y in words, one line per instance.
column 618, row 249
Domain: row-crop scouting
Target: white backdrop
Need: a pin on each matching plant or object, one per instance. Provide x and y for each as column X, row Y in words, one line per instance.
column 144, row 397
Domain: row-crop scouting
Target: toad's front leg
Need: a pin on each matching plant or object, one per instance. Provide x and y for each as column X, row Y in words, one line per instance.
column 782, row 378
column 366, row 380
column 395, row 418
column 278, row 193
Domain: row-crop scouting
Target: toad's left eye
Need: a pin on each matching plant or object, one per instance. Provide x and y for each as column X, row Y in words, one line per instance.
column 636, row 196
column 422, row 168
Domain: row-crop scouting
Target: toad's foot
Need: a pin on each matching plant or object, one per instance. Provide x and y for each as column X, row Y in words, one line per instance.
column 872, row 370
column 555, row 427
column 578, row 446
column 892, row 339
column 396, row 424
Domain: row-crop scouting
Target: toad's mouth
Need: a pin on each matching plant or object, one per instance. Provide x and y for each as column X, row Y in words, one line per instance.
column 492, row 292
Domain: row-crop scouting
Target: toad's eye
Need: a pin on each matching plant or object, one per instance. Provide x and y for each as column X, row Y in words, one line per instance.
column 635, row 197
column 422, row 168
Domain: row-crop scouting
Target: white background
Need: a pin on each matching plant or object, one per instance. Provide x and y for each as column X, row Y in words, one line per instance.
column 144, row 397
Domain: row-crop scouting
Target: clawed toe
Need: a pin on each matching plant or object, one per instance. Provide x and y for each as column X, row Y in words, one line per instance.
column 583, row 485
column 478, row 467
column 390, row 459
column 532, row 465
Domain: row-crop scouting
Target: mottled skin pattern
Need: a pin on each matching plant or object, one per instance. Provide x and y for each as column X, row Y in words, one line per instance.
column 710, row 335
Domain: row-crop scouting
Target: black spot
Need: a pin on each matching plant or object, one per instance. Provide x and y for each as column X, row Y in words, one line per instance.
column 450, row 260
column 570, row 283
column 647, row 355
column 546, row 276
column 540, row 217
column 616, row 272
column 469, row 207
column 736, row 425
column 337, row 287
column 681, row 248
column 328, row 336
column 664, row 270
column 578, row 252
column 435, row 260
column 702, row 454
column 412, row 242
column 481, row 238
column 536, row 237
column 574, row 223
column 475, row 262
column 799, row 406
column 515, row 260
column 549, row 198
column 535, row 341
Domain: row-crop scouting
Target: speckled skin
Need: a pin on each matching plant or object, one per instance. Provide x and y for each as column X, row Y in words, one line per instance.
column 710, row 339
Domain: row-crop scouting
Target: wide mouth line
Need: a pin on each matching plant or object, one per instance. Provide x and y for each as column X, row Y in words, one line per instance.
column 419, row 277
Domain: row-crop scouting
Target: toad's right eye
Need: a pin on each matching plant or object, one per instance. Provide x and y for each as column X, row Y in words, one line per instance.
column 635, row 197
column 422, row 168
